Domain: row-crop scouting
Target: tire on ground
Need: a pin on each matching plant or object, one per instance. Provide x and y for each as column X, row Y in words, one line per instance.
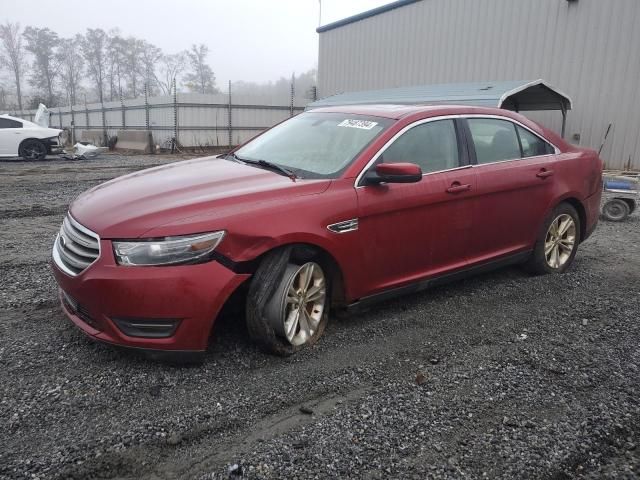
column 537, row 262
column 32, row 145
column 263, row 285
column 615, row 210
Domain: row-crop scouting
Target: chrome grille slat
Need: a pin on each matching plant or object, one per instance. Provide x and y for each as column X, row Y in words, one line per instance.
column 72, row 258
column 76, row 247
column 81, row 251
column 79, row 236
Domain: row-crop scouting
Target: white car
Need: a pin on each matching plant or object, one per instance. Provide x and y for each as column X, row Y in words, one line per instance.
column 22, row 138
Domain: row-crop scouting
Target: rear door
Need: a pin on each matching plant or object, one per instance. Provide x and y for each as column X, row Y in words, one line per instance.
column 411, row 231
column 515, row 175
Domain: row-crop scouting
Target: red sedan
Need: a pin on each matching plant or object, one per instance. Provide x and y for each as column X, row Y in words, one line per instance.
column 334, row 208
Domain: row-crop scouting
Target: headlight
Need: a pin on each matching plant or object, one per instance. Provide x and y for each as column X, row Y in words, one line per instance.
column 167, row 251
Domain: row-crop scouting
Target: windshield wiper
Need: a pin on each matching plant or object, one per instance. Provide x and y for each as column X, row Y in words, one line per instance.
column 263, row 163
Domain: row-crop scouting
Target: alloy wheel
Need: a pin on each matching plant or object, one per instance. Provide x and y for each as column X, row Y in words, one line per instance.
column 560, row 241
column 297, row 307
column 33, row 151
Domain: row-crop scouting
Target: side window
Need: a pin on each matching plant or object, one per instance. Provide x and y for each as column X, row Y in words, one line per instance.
column 432, row 145
column 8, row 123
column 494, row 140
column 532, row 145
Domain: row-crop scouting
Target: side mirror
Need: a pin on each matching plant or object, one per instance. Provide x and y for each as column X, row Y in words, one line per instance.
column 394, row 173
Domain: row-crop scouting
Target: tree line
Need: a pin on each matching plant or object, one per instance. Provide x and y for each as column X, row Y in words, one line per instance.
column 94, row 66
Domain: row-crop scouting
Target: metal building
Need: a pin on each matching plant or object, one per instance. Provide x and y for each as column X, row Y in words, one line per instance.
column 590, row 49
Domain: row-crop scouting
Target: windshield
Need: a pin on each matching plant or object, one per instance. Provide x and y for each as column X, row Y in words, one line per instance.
column 315, row 145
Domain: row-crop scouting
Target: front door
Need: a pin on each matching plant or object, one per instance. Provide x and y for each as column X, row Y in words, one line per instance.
column 418, row 230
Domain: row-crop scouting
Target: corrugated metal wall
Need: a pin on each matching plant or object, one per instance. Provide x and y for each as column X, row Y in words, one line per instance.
column 203, row 119
column 590, row 49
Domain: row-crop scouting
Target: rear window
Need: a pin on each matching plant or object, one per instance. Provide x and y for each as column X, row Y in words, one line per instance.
column 495, row 140
column 8, row 123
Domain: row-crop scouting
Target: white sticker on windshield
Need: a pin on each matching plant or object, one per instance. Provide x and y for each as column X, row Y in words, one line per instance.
column 363, row 124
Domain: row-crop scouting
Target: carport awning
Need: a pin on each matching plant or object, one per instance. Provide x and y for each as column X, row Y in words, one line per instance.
column 515, row 95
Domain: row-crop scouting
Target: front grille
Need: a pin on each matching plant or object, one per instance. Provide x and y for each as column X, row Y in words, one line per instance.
column 76, row 247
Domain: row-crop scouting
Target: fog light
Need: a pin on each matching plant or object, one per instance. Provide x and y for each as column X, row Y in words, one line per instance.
column 147, row 327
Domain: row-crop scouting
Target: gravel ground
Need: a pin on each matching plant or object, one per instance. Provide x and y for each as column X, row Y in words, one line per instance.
column 499, row 376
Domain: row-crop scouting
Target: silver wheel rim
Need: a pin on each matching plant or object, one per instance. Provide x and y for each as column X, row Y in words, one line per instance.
column 296, row 308
column 560, row 241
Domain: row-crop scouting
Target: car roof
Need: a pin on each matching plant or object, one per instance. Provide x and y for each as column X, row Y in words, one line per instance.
column 396, row 112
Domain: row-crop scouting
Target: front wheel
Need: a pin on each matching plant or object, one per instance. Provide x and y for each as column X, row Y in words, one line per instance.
column 288, row 303
column 557, row 243
column 32, row 150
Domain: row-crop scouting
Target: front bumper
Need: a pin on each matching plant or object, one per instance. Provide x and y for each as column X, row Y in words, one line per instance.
column 53, row 145
column 189, row 295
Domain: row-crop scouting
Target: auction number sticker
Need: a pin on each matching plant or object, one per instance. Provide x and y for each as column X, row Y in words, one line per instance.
column 363, row 124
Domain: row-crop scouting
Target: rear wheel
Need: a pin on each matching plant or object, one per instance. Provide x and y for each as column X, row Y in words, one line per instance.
column 615, row 210
column 288, row 302
column 557, row 243
column 32, row 150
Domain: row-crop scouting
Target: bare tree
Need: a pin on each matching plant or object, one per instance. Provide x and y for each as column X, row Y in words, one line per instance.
column 151, row 56
column 201, row 78
column 115, row 52
column 94, row 50
column 170, row 66
column 3, row 97
column 71, row 63
column 42, row 43
column 12, row 54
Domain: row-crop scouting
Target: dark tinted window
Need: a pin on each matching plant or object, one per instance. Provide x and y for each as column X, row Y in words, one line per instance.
column 432, row 145
column 532, row 145
column 8, row 123
column 494, row 140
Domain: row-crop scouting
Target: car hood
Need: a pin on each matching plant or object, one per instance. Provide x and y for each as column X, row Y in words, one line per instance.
column 130, row 206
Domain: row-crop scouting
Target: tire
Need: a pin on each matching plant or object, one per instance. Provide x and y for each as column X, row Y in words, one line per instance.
column 615, row 210
column 273, row 319
column 32, row 150
column 560, row 230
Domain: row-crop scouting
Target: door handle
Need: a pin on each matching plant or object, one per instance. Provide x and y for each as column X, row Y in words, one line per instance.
column 456, row 187
column 544, row 173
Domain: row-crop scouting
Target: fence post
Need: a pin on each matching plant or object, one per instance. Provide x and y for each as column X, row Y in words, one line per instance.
column 60, row 117
column 146, row 106
column 124, row 120
column 174, row 143
column 293, row 92
column 229, row 124
column 86, row 114
column 105, row 140
column 73, row 125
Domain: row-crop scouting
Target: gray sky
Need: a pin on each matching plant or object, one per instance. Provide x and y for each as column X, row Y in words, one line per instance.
column 250, row 40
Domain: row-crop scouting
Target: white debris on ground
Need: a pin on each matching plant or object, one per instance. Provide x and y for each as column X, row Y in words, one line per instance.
column 83, row 152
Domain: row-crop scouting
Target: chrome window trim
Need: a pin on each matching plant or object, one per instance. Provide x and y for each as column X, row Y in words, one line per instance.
column 395, row 137
column 56, row 256
column 452, row 117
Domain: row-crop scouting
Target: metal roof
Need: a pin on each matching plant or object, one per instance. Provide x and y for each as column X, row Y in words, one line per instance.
column 363, row 15
column 518, row 95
